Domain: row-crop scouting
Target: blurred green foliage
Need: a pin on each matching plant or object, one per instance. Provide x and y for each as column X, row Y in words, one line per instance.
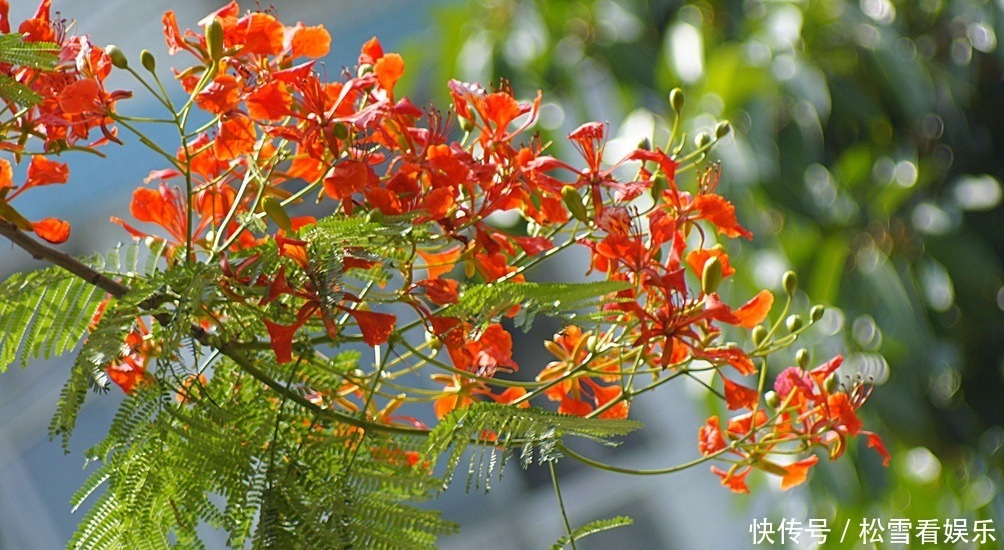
column 868, row 155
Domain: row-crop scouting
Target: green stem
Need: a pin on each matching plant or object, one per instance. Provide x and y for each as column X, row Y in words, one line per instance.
column 561, row 503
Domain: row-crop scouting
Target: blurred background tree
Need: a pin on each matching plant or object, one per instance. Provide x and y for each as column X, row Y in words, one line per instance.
column 867, row 148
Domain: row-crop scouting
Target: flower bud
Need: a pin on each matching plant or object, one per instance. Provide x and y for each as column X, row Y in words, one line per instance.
column 711, row 275
column 790, row 282
column 574, row 203
column 702, row 140
column 214, row 39
column 659, row 184
column 117, row 56
column 645, row 144
column 759, row 334
column 676, row 99
column 147, row 60
column 277, row 213
column 802, row 358
column 771, row 467
column 772, row 399
column 722, row 129
column 340, row 131
column 832, row 383
column 816, row 313
column 466, row 124
column 793, row 322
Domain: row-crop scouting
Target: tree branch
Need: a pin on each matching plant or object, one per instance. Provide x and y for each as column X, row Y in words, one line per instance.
column 48, row 254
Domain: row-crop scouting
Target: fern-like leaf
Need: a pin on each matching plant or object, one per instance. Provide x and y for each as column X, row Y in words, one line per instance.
column 529, row 431
column 43, row 313
column 481, row 303
column 591, row 528
column 14, row 50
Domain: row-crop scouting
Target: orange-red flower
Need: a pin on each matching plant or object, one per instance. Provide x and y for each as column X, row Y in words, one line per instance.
column 462, row 392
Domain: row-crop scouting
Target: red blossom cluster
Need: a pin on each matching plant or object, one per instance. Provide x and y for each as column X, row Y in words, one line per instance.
column 72, row 101
column 280, row 130
column 809, row 411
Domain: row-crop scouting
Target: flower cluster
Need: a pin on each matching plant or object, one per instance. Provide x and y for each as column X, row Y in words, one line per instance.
column 280, row 131
column 64, row 101
column 810, row 410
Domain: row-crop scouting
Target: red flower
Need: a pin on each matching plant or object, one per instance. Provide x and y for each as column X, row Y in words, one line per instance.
column 42, row 171
column 270, row 101
column 440, row 291
column 720, row 212
column 389, row 69
column 710, row 438
column 738, row 396
column 127, row 374
column 235, row 136
column 54, row 230
column 491, row 350
column 734, row 479
column 797, row 472
column 376, row 327
column 312, row 42
column 281, row 339
column 220, row 96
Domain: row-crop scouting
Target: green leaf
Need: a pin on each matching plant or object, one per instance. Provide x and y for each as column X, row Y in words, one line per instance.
column 14, row 50
column 592, row 527
column 531, row 431
column 481, row 303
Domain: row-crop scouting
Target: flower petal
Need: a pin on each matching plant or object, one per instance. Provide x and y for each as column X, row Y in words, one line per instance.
column 376, row 327
column 797, row 472
column 312, row 42
column 389, row 69
column 54, row 230
column 755, row 310
column 738, row 396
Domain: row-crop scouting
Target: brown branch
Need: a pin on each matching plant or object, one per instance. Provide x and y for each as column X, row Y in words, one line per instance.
column 49, row 254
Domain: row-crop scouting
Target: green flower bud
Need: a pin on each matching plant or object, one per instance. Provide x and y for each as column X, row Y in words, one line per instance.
column 832, row 383
column 147, row 60
column 759, row 334
column 722, row 129
column 793, row 322
column 816, row 313
column 790, row 282
column 659, row 184
column 771, row 467
column 772, row 399
column 466, row 124
column 277, row 213
column 340, row 131
column 676, row 99
column 645, row 144
column 702, row 140
column 117, row 56
column 711, row 275
column 214, row 39
column 802, row 358
column 573, row 202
